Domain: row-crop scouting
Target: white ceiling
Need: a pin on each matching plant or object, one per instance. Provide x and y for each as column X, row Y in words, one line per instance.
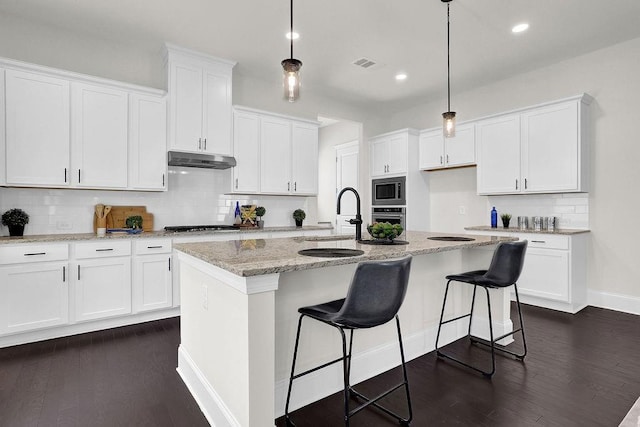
column 401, row 35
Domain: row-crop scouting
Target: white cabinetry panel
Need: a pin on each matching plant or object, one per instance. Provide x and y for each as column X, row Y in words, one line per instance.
column 246, row 150
column 275, row 155
column 304, row 158
column 147, row 142
column 37, row 129
column 185, row 91
column 499, row 155
column 217, row 113
column 102, row 288
column 100, row 126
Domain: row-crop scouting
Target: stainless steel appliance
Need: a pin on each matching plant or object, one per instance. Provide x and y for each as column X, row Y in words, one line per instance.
column 388, row 191
column 200, row 160
column 391, row 215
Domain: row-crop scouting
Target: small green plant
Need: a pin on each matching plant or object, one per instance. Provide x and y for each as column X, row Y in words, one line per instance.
column 15, row 217
column 134, row 221
column 260, row 211
column 506, row 218
column 299, row 215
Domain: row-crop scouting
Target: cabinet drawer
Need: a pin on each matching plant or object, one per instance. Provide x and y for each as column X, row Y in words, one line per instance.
column 103, row 249
column 152, row 246
column 33, row 253
column 546, row 241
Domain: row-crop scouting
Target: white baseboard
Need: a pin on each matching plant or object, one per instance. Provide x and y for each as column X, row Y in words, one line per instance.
column 211, row 405
column 617, row 302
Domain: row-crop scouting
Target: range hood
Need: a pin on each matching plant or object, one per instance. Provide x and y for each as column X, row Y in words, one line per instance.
column 200, row 160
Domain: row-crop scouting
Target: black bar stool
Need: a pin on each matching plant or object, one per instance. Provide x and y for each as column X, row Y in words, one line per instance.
column 506, row 266
column 375, row 295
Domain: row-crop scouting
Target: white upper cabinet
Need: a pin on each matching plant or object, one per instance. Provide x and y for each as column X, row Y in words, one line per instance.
column 275, row 155
column 200, row 111
column 99, row 136
column 542, row 149
column 246, row 150
column 147, row 142
column 499, row 155
column 389, row 154
column 37, row 129
column 304, row 158
column 438, row 152
column 285, row 160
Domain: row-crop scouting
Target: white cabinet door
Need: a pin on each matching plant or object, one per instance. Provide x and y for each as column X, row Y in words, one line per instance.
column 275, row 155
column 217, row 112
column 461, row 149
column 246, row 150
column 102, row 288
column 147, row 142
column 379, row 156
column 99, row 138
column 37, row 129
column 185, row 106
column 304, row 158
column 152, row 288
column 498, row 144
column 397, row 152
column 550, row 148
column 431, row 150
column 33, row 296
column 546, row 274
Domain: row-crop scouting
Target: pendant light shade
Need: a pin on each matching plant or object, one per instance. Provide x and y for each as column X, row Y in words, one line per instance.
column 291, row 69
column 449, row 117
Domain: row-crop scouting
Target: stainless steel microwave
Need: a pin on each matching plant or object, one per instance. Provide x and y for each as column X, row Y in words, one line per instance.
column 388, row 191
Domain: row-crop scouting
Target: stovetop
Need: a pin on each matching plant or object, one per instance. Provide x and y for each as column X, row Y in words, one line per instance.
column 188, row 228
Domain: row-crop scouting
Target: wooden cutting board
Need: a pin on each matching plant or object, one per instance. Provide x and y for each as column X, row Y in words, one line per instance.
column 117, row 218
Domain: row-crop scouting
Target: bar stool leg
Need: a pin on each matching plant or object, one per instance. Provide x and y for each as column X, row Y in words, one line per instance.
column 346, row 364
column 473, row 303
column 524, row 340
column 406, row 421
column 293, row 367
column 444, row 304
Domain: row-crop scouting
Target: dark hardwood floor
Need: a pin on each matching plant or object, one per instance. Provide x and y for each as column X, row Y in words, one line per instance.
column 581, row 370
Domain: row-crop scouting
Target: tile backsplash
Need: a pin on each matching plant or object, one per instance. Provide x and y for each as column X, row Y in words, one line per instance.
column 572, row 209
column 195, row 196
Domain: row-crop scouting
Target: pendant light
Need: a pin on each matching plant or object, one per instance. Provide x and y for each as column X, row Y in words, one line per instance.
column 291, row 68
column 449, row 117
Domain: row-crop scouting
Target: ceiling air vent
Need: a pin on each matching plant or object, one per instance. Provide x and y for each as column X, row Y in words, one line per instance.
column 364, row 63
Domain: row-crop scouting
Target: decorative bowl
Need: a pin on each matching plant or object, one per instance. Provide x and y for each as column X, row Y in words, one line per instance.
column 384, row 230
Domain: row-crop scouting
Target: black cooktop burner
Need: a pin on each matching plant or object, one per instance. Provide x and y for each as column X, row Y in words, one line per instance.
column 187, row 228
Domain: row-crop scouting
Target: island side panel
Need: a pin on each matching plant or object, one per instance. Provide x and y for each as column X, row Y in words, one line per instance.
column 227, row 337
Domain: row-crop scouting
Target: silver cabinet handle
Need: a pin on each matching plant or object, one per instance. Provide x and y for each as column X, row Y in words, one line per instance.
column 154, row 247
column 163, row 180
column 538, row 241
column 199, row 143
column 236, row 183
column 78, row 176
column 65, row 174
column 78, row 271
column 447, row 159
column 169, row 264
column 104, row 250
column 64, row 273
column 516, row 184
column 205, row 144
column 440, row 159
column 295, row 186
column 35, row 253
column 288, row 186
column 525, row 183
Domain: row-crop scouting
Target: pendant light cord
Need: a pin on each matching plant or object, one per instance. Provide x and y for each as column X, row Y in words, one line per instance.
column 448, row 64
column 291, row 33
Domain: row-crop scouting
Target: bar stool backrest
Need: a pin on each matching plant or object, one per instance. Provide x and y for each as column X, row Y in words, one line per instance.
column 376, row 293
column 506, row 264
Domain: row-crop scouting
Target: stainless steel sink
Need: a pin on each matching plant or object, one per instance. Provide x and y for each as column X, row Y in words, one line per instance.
column 331, row 252
column 452, row 238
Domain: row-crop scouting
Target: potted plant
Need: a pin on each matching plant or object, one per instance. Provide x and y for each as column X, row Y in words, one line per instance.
column 505, row 220
column 15, row 219
column 299, row 216
column 260, row 211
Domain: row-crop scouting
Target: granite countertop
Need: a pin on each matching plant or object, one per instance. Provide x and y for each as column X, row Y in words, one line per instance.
column 75, row 237
column 264, row 256
column 561, row 231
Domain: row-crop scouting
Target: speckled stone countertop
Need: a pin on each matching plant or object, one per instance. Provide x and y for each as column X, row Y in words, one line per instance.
column 264, row 256
column 76, row 237
column 562, row 231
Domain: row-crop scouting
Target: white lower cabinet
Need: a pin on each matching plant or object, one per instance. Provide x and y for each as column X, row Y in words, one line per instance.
column 554, row 271
column 34, row 287
column 152, row 284
column 102, row 280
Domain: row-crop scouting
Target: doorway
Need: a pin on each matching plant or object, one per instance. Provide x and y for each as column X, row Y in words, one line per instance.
column 347, row 173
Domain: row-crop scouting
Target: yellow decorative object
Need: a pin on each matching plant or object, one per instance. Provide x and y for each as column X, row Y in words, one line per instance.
column 248, row 214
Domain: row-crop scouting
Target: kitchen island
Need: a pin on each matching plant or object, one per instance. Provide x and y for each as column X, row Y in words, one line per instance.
column 239, row 315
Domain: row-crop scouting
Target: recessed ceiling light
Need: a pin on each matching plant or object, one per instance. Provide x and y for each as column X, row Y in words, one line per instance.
column 401, row 76
column 520, row 28
column 292, row 36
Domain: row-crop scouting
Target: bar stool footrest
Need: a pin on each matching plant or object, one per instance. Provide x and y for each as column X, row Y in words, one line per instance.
column 373, row 401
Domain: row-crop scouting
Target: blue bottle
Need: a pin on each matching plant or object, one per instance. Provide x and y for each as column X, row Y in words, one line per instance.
column 237, row 218
column 494, row 218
